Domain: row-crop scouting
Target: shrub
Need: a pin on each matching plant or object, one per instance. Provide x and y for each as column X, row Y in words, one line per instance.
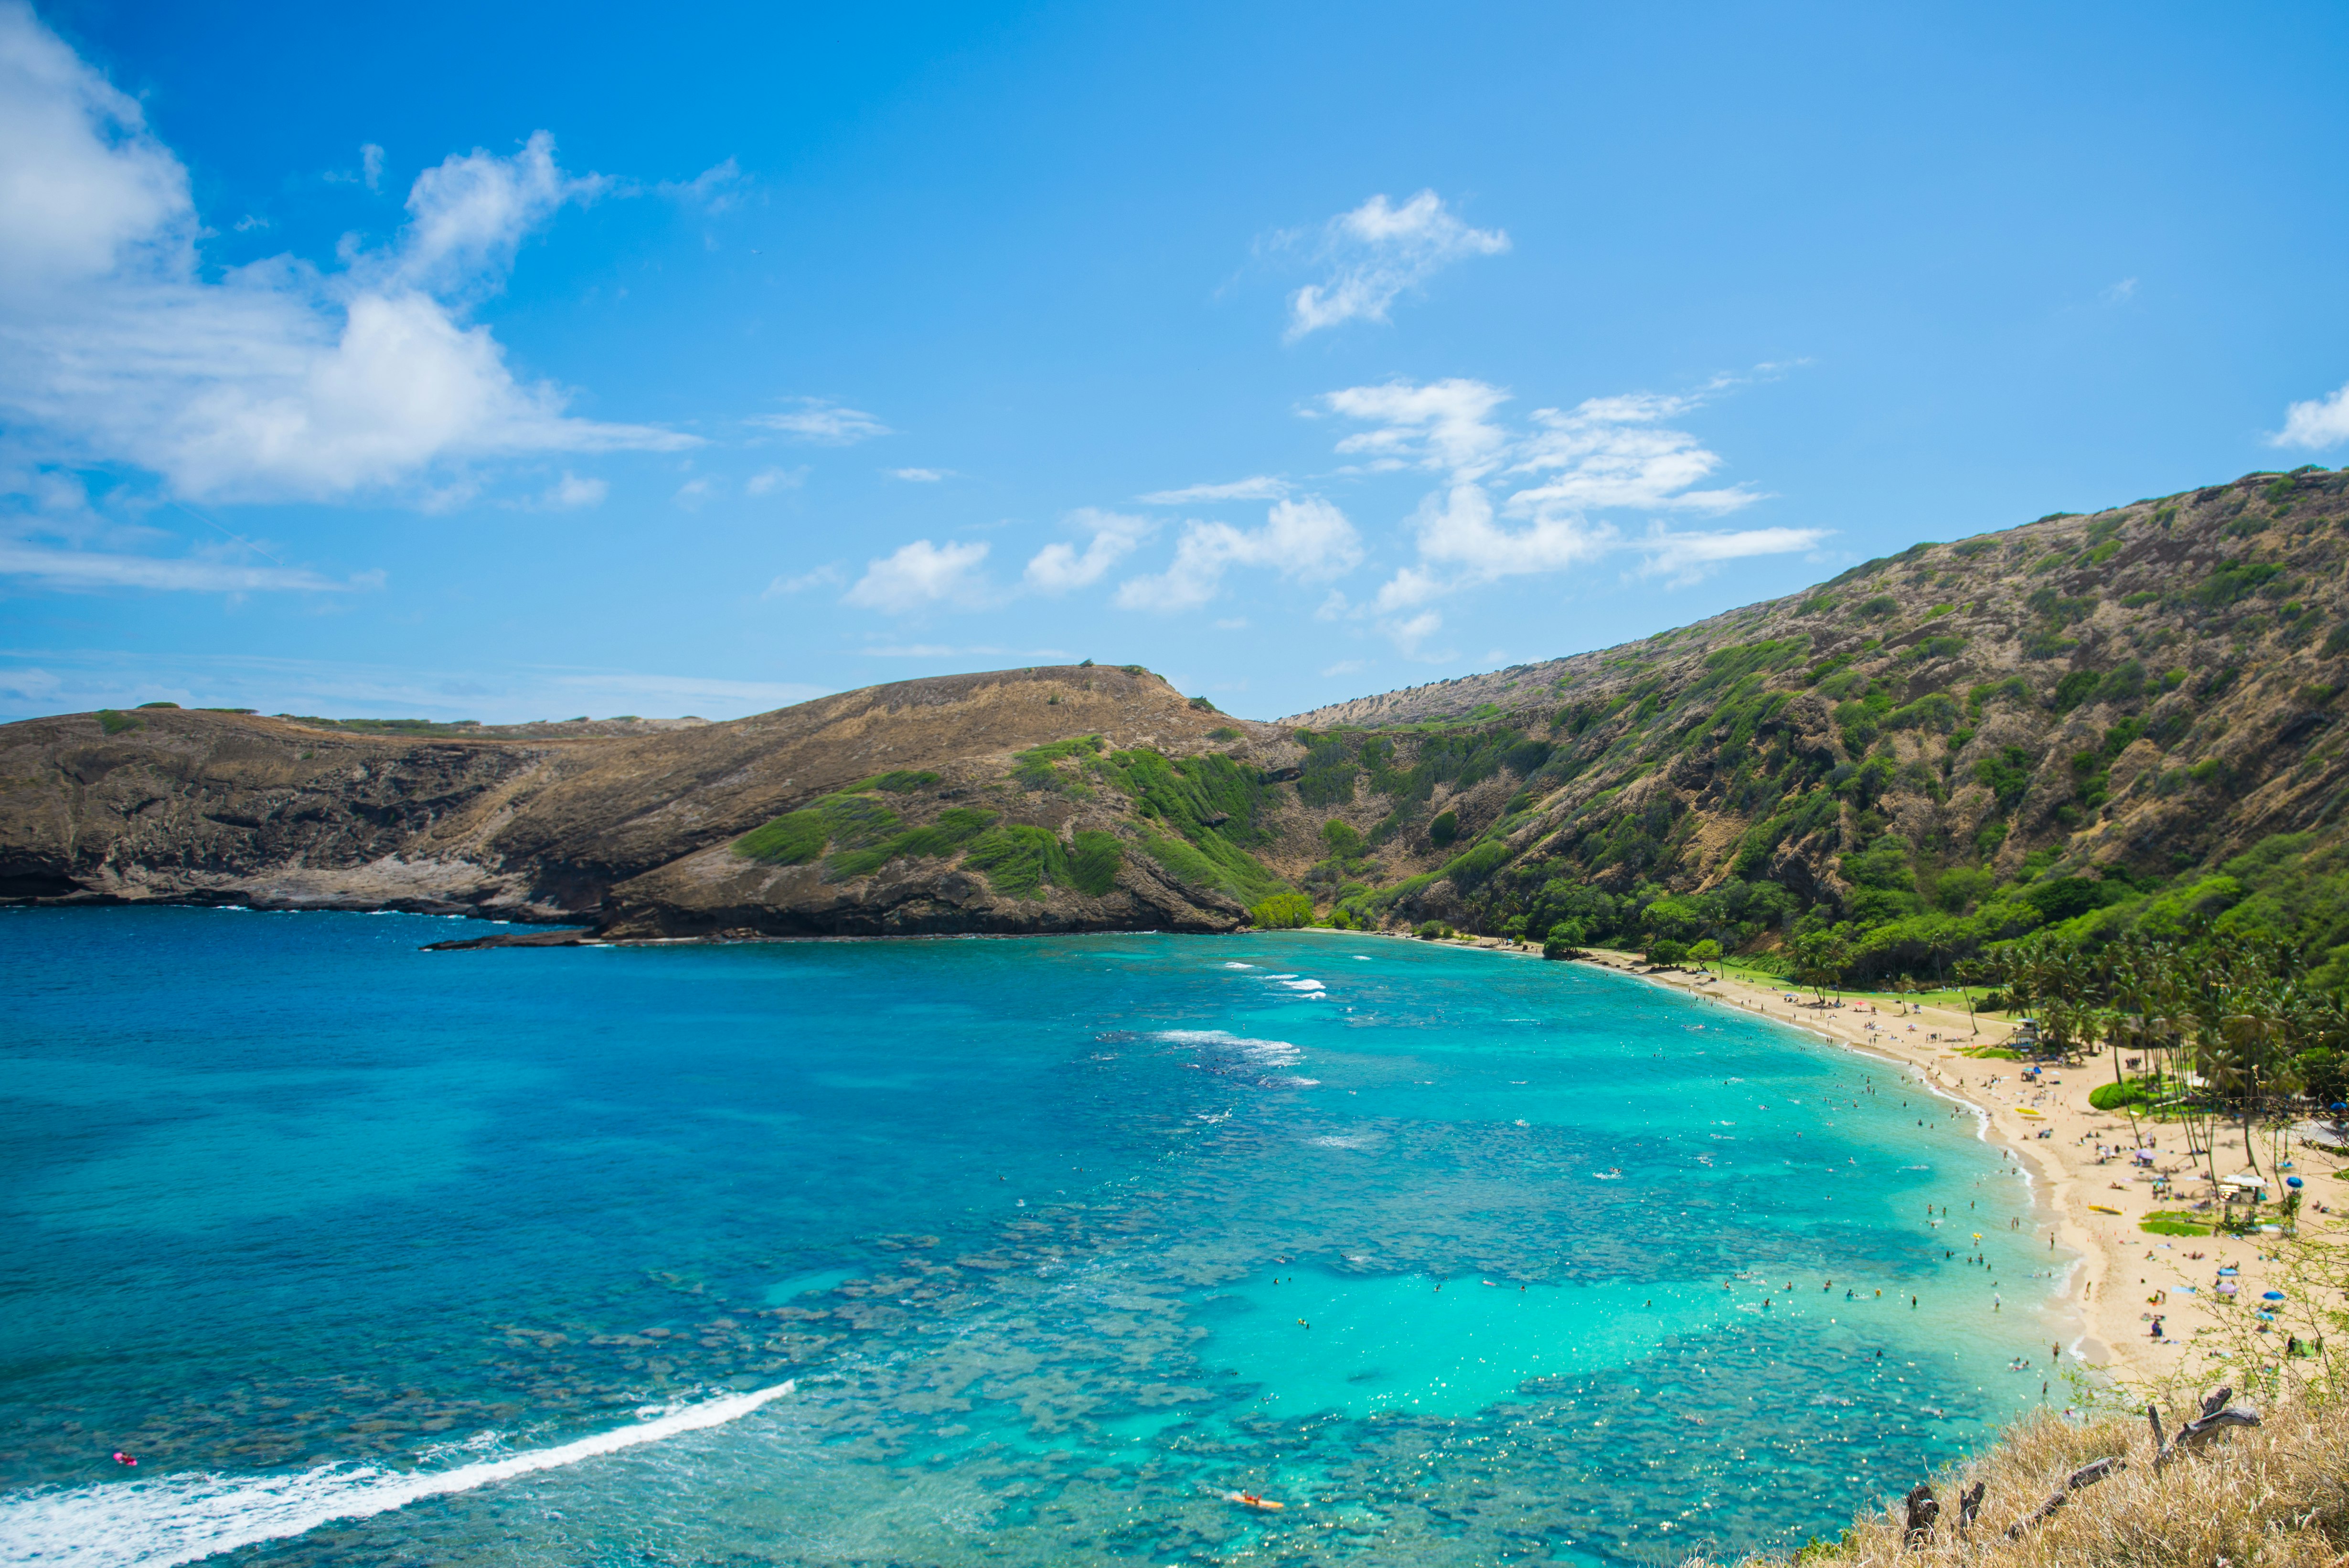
column 1934, row 710
column 900, row 782
column 1018, row 859
column 2076, row 689
column 1444, row 829
column 1342, row 839
column 159, row 705
column 1564, row 941
column 1204, row 706
column 1663, row 949
column 1093, row 865
column 1223, row 732
column 1429, row 930
column 791, row 840
column 1283, row 912
column 115, row 723
column 1883, row 605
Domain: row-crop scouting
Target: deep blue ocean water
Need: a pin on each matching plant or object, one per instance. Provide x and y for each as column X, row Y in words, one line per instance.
column 1057, row 1242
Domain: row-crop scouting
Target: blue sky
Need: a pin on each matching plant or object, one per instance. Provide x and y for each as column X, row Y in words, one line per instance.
column 574, row 360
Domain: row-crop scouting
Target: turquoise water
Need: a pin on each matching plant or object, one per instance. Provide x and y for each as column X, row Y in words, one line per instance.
column 1004, row 1251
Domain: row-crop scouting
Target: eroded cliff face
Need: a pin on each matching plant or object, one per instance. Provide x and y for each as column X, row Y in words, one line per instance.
column 628, row 834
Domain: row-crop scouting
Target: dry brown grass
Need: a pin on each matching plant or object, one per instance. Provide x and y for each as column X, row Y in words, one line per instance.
column 2276, row 1496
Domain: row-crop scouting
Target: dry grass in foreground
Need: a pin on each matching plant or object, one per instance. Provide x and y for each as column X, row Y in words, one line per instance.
column 2275, row 1495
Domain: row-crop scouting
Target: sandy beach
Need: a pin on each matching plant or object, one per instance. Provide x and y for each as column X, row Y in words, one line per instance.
column 2128, row 1276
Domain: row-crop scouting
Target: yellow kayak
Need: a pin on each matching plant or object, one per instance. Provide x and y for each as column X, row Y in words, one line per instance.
column 2026, row 1110
column 2101, row 1208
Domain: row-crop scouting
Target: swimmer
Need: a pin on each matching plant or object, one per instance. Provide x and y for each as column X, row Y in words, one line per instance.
column 1251, row 1499
column 122, row 1459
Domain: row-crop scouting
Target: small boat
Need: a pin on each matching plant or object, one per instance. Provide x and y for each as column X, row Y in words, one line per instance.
column 1250, row 1500
column 2101, row 1208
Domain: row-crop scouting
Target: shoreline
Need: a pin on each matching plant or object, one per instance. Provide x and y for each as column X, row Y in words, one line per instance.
column 2113, row 1312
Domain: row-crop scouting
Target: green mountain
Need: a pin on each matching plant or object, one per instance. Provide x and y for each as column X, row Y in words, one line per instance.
column 2090, row 723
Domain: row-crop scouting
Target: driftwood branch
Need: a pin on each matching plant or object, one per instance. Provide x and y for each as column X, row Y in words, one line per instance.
column 2217, row 1416
column 1924, row 1508
column 2086, row 1475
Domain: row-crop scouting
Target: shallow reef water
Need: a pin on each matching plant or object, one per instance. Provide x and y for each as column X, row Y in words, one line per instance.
column 375, row 1255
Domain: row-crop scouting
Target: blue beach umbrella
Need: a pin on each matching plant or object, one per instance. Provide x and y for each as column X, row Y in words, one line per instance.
column 2292, row 1181
column 2270, row 1295
column 2228, row 1271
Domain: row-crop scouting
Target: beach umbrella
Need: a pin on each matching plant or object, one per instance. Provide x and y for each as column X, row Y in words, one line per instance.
column 2270, row 1295
column 2227, row 1272
column 2292, row 1181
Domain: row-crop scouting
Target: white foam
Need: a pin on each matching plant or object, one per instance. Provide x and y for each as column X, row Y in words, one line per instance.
column 1306, row 985
column 1272, row 1053
column 181, row 1518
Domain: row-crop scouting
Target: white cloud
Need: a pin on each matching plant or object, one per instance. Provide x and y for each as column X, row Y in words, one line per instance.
column 1445, row 425
column 919, row 476
column 1263, row 487
column 2121, row 293
column 279, row 381
column 919, row 575
column 825, row 423
column 570, row 492
column 1604, row 454
column 87, row 569
column 1307, row 541
column 767, row 480
column 1057, row 568
column 1615, row 452
column 1344, row 667
column 371, row 165
column 1460, row 545
column 1377, row 252
column 692, row 494
column 2323, row 422
column 825, row 576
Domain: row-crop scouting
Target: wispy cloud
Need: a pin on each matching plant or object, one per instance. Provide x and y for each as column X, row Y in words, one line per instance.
column 766, row 481
column 571, row 491
column 944, row 650
column 1263, row 487
column 279, row 381
column 90, row 569
column 1059, row 568
column 42, row 680
column 2317, row 424
column 921, row 576
column 716, row 189
column 1378, row 251
column 920, row 476
column 1308, row 540
column 826, row 576
column 824, row 423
